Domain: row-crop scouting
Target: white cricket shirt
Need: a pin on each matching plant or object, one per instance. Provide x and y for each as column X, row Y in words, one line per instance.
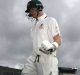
column 45, row 28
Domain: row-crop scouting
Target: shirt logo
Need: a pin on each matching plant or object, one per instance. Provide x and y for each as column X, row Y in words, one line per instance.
column 41, row 26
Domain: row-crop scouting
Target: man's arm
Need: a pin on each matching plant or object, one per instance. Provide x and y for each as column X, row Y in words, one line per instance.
column 48, row 48
column 57, row 39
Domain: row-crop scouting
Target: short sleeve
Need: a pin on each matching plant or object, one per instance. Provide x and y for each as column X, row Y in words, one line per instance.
column 54, row 28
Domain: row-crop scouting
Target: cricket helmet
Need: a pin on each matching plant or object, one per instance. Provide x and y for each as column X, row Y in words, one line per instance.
column 34, row 4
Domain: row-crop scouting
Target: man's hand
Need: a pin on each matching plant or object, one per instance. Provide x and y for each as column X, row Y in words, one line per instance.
column 47, row 47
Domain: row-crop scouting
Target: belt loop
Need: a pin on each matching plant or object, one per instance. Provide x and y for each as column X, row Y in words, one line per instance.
column 37, row 58
column 50, row 73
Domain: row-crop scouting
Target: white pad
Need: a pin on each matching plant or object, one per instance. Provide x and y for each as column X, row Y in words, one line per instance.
column 46, row 45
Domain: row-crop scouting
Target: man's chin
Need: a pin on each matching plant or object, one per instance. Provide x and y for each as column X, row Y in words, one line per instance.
column 33, row 16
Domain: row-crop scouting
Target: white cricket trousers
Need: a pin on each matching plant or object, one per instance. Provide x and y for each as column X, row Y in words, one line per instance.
column 41, row 65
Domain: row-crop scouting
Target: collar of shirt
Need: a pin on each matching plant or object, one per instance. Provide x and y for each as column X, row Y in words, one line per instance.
column 42, row 17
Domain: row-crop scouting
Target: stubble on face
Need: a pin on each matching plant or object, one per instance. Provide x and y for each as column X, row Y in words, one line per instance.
column 33, row 12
